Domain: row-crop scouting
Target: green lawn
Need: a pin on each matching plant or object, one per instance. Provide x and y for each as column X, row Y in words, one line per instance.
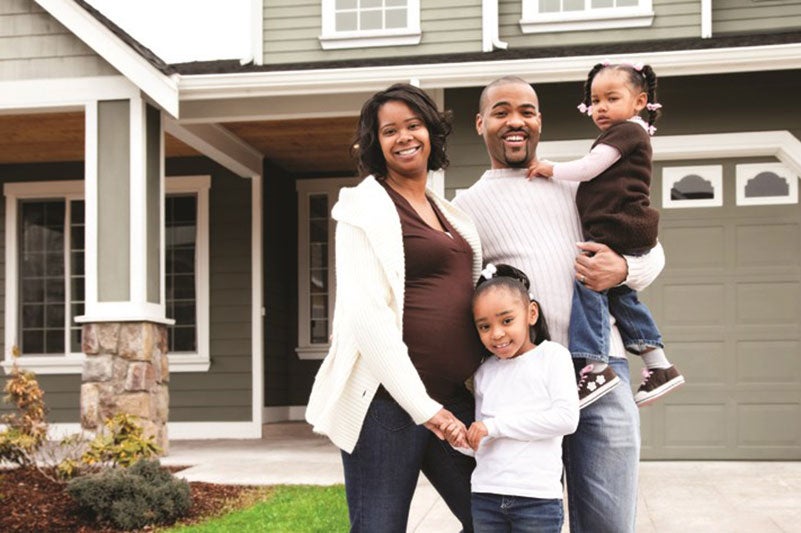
column 287, row 509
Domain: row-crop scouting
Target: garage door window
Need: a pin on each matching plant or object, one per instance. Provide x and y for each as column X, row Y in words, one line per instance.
column 766, row 184
column 700, row 186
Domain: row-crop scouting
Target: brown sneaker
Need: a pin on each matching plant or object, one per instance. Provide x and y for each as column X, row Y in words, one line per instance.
column 656, row 383
column 592, row 386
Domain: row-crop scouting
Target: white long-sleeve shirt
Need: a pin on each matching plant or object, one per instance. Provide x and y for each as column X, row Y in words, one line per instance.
column 527, row 404
column 534, row 226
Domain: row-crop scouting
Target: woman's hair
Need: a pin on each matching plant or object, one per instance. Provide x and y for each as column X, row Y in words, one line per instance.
column 515, row 280
column 641, row 77
column 366, row 147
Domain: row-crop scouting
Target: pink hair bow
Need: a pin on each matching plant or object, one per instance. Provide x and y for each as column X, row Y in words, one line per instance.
column 584, row 108
column 653, row 107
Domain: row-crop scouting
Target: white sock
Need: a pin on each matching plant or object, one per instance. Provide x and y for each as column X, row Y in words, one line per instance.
column 655, row 358
column 598, row 367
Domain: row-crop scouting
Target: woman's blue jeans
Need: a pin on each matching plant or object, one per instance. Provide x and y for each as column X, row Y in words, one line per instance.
column 494, row 513
column 381, row 473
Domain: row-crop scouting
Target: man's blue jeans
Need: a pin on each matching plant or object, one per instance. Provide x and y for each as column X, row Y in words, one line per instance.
column 601, row 461
column 494, row 513
column 589, row 322
column 381, row 473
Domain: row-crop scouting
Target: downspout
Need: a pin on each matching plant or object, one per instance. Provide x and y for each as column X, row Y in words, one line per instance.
column 489, row 27
column 706, row 19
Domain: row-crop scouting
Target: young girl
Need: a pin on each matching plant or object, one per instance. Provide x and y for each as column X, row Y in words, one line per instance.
column 613, row 202
column 525, row 402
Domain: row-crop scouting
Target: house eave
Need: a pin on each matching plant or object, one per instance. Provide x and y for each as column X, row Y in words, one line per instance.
column 476, row 73
column 160, row 87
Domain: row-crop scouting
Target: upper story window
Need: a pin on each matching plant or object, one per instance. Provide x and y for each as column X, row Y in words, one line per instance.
column 365, row 23
column 541, row 16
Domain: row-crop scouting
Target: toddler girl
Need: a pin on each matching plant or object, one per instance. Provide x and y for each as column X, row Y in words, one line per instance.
column 525, row 402
column 613, row 202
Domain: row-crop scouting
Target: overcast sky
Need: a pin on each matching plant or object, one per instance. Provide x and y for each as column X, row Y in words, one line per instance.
column 184, row 30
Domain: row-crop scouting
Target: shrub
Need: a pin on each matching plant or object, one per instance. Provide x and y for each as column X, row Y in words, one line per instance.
column 122, row 443
column 26, row 428
column 132, row 498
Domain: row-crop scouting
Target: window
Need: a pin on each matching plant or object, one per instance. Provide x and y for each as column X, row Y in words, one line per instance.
column 316, row 263
column 700, row 186
column 45, row 273
column 766, row 184
column 541, row 16
column 363, row 23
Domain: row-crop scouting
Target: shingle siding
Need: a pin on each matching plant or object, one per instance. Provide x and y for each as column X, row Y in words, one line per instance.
column 33, row 45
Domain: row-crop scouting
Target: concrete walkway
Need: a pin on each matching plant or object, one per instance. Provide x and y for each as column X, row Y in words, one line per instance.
column 680, row 497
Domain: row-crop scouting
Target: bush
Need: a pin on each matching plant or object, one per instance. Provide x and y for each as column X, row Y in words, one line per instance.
column 26, row 428
column 144, row 494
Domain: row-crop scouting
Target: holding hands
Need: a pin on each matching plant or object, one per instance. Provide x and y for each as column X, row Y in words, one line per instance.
column 460, row 437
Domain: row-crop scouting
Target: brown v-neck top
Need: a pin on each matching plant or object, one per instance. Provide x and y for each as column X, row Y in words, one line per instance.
column 438, row 324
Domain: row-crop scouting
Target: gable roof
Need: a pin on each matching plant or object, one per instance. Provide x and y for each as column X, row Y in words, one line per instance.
column 136, row 62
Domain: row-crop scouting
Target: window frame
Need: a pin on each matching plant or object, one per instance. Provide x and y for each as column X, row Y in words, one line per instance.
column 305, row 348
column 331, row 39
column 532, row 21
column 70, row 190
column 711, row 173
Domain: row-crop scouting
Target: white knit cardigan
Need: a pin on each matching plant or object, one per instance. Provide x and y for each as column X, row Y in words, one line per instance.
column 367, row 346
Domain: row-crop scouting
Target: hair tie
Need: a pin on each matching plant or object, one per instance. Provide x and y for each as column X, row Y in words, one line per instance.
column 651, row 129
column 489, row 271
column 584, row 108
column 653, row 107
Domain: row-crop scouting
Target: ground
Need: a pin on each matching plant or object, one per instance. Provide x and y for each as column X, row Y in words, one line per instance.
column 31, row 502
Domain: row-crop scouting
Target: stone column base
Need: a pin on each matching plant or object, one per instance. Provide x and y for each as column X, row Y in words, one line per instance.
column 126, row 371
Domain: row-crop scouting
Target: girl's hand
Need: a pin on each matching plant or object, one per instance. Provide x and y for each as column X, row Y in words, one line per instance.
column 599, row 268
column 541, row 169
column 438, row 423
column 476, row 432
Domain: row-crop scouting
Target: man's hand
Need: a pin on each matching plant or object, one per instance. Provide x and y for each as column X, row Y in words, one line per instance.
column 599, row 268
column 476, row 432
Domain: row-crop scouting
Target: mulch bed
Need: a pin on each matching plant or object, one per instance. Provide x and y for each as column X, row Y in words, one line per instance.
column 31, row 502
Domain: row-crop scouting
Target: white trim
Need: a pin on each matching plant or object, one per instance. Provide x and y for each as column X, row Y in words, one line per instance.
column 331, row 39
column 490, row 38
column 175, row 430
column 745, row 172
column 706, row 19
column 713, row 174
column 32, row 95
column 213, row 430
column 479, row 73
column 780, row 144
column 257, row 31
column 533, row 21
column 72, row 363
column 284, row 413
column 257, row 301
column 90, row 185
column 162, row 88
column 219, row 144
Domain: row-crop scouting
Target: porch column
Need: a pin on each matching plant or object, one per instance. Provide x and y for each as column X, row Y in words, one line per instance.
column 124, row 325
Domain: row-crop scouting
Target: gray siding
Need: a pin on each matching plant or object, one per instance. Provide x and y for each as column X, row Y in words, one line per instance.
column 693, row 104
column 34, row 45
column 749, row 16
column 673, row 19
column 224, row 392
column 292, row 28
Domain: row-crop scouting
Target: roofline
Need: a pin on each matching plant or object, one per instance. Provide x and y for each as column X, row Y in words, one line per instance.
column 162, row 88
column 476, row 73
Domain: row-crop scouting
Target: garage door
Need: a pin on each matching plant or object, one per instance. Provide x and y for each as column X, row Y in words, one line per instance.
column 729, row 305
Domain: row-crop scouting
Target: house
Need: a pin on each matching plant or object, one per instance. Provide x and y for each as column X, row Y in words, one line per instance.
column 183, row 209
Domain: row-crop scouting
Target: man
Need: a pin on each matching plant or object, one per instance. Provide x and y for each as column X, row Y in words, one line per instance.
column 534, row 225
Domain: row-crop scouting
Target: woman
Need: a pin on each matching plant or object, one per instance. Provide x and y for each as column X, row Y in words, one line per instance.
column 403, row 340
